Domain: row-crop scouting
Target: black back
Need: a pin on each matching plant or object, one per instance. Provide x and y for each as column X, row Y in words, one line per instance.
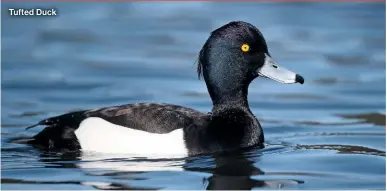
column 151, row 117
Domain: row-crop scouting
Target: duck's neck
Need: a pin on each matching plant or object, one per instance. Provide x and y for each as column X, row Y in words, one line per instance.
column 230, row 98
column 231, row 114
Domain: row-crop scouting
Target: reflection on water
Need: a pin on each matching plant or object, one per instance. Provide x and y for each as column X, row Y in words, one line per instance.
column 235, row 171
column 326, row 134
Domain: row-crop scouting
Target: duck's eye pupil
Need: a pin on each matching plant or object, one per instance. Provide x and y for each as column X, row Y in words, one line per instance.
column 274, row 66
column 245, row 47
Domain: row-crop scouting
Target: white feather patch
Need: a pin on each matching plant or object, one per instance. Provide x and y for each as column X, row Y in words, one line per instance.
column 99, row 135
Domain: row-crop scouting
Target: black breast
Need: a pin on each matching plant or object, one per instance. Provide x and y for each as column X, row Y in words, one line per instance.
column 227, row 130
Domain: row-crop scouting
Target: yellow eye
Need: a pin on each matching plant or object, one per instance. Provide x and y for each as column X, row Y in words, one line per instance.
column 245, row 47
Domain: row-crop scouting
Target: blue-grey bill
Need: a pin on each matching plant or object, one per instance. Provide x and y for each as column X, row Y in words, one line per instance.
column 272, row 70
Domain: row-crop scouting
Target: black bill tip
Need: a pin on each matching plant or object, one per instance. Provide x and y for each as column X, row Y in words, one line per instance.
column 299, row 79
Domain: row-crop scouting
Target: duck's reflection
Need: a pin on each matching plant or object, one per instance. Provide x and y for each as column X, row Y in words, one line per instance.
column 111, row 173
column 229, row 171
column 233, row 171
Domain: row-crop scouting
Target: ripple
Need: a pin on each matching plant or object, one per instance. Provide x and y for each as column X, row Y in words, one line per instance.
column 371, row 118
column 66, row 36
column 348, row 60
column 333, row 80
column 345, row 149
column 97, row 185
column 27, row 114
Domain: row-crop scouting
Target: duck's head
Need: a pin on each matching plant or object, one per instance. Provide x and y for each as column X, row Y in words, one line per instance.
column 233, row 56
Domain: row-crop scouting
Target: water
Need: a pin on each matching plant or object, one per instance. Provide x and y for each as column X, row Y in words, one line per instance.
column 326, row 134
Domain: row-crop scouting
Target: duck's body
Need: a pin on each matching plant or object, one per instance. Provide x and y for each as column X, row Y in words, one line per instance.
column 151, row 128
column 231, row 58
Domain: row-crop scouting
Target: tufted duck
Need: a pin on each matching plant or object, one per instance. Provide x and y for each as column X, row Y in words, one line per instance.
column 233, row 56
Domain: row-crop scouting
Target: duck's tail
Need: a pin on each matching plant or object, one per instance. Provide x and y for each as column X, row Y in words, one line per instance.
column 71, row 119
column 59, row 132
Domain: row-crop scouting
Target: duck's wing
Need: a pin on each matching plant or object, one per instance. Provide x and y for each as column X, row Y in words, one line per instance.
column 149, row 117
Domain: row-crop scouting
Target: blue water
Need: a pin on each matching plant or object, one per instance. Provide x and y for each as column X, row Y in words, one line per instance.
column 326, row 134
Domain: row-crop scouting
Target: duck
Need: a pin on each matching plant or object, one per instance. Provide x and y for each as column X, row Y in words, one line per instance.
column 231, row 58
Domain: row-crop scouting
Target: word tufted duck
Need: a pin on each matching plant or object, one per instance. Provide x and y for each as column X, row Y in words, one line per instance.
column 233, row 56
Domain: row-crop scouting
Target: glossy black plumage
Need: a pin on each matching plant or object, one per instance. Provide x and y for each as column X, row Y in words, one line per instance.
column 149, row 117
column 230, row 125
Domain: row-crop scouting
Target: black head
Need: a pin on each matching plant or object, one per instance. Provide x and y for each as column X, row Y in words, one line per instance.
column 233, row 56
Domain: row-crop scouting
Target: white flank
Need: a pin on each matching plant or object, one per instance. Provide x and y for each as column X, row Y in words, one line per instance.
column 99, row 135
